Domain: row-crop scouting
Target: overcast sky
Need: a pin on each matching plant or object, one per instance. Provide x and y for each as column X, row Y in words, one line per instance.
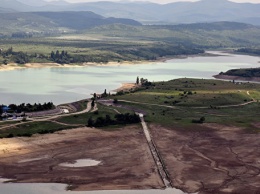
column 159, row 1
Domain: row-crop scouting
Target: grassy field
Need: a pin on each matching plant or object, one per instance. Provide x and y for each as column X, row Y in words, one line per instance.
column 183, row 100
column 28, row 129
column 196, row 93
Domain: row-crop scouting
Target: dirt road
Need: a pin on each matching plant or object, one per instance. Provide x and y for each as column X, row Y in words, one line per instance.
column 155, row 153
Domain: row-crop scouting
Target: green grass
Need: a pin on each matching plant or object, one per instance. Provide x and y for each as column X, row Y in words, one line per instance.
column 83, row 118
column 205, row 100
column 5, row 123
column 28, row 129
column 195, row 93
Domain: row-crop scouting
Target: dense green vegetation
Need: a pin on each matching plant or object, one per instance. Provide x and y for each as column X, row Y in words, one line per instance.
column 27, row 107
column 248, row 73
column 119, row 119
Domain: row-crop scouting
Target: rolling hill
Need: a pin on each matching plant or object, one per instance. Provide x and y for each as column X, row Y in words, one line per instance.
column 152, row 13
column 203, row 35
column 55, row 21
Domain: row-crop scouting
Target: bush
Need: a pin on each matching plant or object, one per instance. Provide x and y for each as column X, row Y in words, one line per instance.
column 200, row 121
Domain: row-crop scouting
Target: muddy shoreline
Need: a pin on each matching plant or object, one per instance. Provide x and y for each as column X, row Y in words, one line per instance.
column 14, row 66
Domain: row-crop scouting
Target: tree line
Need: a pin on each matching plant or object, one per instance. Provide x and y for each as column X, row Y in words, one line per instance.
column 27, row 107
column 10, row 56
column 119, row 119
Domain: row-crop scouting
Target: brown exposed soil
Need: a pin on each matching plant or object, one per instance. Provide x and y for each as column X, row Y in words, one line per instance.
column 126, row 87
column 126, row 160
column 210, row 158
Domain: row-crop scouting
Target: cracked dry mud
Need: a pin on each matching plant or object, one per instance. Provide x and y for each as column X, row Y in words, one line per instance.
column 210, row 158
column 206, row 158
column 126, row 162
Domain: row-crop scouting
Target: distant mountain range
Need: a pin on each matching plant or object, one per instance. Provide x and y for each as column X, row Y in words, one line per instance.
column 43, row 22
column 149, row 13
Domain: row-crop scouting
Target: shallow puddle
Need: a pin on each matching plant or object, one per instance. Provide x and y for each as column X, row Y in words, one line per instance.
column 81, row 163
column 51, row 188
column 2, row 180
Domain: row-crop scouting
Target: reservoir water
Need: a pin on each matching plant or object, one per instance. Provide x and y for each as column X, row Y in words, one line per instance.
column 60, row 85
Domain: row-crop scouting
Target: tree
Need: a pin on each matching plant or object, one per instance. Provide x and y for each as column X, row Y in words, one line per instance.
column 9, row 51
column 57, row 55
column 5, row 61
column 202, row 119
column 93, row 103
column 21, row 58
column 115, row 101
column 137, row 80
column 90, row 122
column 108, row 119
column 52, row 55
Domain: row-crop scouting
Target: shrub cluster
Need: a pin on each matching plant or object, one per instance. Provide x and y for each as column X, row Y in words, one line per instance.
column 120, row 119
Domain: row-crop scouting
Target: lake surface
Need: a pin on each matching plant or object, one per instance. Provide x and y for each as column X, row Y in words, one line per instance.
column 60, row 85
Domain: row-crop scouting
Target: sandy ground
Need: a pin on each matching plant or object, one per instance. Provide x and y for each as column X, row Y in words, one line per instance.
column 210, row 158
column 126, row 162
column 14, row 66
column 126, row 87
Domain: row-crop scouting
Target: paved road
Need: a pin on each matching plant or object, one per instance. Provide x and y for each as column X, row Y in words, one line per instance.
column 50, row 118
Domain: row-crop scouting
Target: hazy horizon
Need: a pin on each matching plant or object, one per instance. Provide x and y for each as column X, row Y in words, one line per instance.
column 157, row 1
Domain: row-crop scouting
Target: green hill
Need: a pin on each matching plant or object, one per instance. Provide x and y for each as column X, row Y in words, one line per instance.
column 206, row 35
column 247, row 73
